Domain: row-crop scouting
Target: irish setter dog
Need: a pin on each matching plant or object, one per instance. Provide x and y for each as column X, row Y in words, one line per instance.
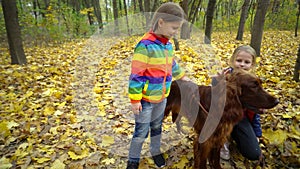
column 240, row 89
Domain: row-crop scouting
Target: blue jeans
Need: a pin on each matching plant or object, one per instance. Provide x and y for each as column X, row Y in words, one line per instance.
column 151, row 118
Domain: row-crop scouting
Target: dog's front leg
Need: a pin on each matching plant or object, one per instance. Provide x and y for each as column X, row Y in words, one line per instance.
column 214, row 158
column 196, row 153
column 200, row 154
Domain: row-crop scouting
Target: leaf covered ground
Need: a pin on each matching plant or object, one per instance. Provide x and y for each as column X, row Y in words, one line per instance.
column 68, row 107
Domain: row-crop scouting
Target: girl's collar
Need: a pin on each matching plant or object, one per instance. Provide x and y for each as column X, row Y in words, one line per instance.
column 163, row 39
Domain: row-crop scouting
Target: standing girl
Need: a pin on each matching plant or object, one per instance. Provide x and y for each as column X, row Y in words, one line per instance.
column 247, row 132
column 152, row 70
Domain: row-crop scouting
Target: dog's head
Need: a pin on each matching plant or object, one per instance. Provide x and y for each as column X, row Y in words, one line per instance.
column 250, row 91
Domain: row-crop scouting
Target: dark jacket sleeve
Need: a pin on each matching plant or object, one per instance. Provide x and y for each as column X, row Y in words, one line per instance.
column 256, row 125
column 214, row 81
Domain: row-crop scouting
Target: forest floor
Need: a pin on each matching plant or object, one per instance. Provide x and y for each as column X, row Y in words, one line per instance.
column 68, row 107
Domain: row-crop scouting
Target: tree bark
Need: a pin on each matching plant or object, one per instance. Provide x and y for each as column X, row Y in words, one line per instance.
column 89, row 13
column 297, row 66
column 115, row 11
column 13, row 31
column 176, row 43
column 258, row 26
column 297, row 21
column 147, row 13
column 243, row 19
column 134, row 5
column 97, row 11
column 192, row 10
column 126, row 15
column 155, row 5
column 196, row 11
column 120, row 6
column 106, row 11
column 141, row 6
column 185, row 33
column 209, row 20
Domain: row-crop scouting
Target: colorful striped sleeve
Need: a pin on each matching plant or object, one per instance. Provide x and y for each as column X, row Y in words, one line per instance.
column 177, row 72
column 137, row 78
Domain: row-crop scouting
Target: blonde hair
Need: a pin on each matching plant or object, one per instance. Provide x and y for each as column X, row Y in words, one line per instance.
column 169, row 12
column 245, row 48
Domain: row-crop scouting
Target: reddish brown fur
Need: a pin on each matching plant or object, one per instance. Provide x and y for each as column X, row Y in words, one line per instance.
column 241, row 88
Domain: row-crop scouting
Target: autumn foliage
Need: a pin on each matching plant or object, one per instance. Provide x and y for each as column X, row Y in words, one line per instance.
column 68, row 107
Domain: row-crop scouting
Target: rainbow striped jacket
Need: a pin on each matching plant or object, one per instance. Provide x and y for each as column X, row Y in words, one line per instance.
column 152, row 69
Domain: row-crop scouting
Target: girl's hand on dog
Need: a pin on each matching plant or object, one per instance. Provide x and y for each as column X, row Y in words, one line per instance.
column 185, row 78
column 136, row 108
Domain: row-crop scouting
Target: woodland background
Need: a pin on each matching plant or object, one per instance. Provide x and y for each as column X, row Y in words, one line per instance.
column 65, row 64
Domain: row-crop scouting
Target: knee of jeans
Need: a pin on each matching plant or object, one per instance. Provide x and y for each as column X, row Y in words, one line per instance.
column 156, row 130
column 141, row 133
column 156, row 126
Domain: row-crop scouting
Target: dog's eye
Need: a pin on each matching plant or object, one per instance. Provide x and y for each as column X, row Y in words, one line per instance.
column 254, row 84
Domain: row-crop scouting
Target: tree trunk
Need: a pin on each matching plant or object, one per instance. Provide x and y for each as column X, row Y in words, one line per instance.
column 155, row 5
column 229, row 11
column 192, row 10
column 106, row 11
column 185, row 33
column 276, row 5
column 147, row 13
column 258, row 26
column 97, row 11
column 251, row 11
column 120, row 6
column 195, row 12
column 209, row 20
column 76, row 10
column 134, row 6
column 243, row 19
column 89, row 13
column 126, row 15
column 297, row 21
column 35, row 13
column 176, row 43
column 297, row 66
column 141, row 6
column 13, row 31
column 115, row 11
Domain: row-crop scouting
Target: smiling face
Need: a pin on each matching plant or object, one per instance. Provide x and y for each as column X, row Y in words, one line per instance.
column 243, row 61
column 167, row 29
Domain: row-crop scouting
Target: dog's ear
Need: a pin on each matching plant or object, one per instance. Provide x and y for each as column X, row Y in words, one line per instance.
column 234, row 80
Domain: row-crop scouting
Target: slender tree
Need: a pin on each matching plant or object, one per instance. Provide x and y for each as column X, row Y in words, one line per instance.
column 13, row 31
column 297, row 21
column 185, row 32
column 134, row 5
column 209, row 20
column 141, row 6
column 87, row 4
column 297, row 66
column 106, row 10
column 120, row 6
column 97, row 11
column 147, row 13
column 115, row 11
column 243, row 19
column 155, row 5
column 126, row 15
column 194, row 13
column 229, row 12
column 258, row 25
